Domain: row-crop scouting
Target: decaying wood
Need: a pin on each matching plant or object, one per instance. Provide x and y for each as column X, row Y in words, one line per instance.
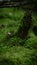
column 4, row 3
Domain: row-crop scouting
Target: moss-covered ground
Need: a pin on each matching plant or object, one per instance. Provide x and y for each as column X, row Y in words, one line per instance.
column 14, row 50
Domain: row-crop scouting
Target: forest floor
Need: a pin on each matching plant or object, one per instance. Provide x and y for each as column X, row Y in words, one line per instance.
column 14, row 50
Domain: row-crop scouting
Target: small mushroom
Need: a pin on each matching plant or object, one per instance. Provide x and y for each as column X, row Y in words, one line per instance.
column 9, row 34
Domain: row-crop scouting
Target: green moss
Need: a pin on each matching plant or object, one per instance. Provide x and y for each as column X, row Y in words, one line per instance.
column 18, row 55
column 14, row 50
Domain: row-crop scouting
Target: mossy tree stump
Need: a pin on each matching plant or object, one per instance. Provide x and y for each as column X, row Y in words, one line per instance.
column 25, row 25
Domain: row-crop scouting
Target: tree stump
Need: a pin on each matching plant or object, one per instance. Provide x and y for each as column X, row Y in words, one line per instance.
column 25, row 25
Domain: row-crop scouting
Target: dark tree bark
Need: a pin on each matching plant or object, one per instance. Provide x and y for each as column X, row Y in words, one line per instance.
column 25, row 26
column 10, row 3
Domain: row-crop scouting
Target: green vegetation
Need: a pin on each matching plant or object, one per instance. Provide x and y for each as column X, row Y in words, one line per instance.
column 13, row 49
